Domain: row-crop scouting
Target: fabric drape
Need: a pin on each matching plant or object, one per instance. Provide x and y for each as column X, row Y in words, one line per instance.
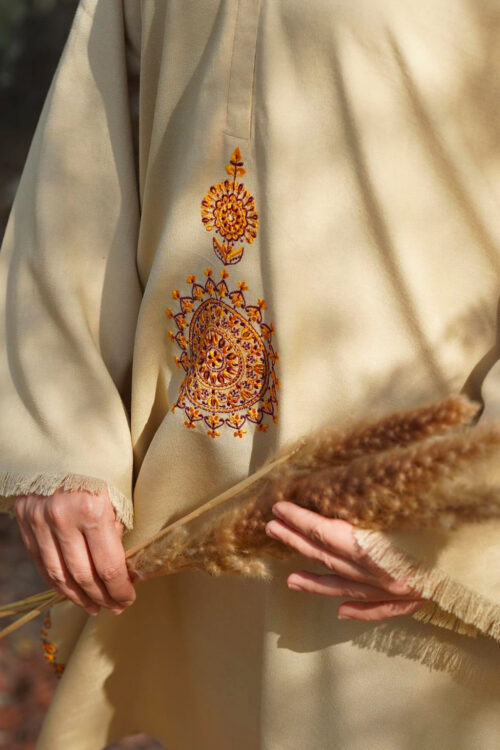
column 239, row 220
column 70, row 289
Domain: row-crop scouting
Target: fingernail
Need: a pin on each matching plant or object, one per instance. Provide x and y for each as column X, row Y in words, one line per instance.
column 344, row 617
column 294, row 586
column 117, row 610
column 93, row 612
column 269, row 531
column 276, row 510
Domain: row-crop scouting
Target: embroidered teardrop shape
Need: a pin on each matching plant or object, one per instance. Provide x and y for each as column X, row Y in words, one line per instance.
column 228, row 357
column 229, row 363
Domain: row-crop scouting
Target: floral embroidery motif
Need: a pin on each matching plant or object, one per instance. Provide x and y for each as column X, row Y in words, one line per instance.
column 48, row 647
column 226, row 347
column 228, row 357
column 229, row 209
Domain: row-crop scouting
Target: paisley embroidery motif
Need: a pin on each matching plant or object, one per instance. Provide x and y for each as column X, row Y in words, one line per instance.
column 228, row 357
column 226, row 347
column 229, row 209
column 48, row 647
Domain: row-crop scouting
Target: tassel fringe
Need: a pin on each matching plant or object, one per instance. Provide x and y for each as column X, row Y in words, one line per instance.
column 12, row 485
column 452, row 605
column 433, row 652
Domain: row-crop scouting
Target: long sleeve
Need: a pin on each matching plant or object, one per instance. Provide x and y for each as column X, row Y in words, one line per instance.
column 69, row 288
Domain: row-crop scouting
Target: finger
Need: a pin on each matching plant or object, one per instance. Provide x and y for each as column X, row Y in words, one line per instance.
column 378, row 611
column 102, row 532
column 333, row 585
column 337, row 536
column 33, row 549
column 334, row 562
column 52, row 559
column 77, row 558
column 305, row 546
column 108, row 556
column 333, row 533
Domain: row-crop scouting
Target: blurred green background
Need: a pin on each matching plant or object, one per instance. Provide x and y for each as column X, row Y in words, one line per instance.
column 32, row 36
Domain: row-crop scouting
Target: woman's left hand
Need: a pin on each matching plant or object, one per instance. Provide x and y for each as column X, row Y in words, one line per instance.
column 375, row 595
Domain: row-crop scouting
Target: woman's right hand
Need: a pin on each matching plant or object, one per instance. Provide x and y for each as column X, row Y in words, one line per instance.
column 75, row 540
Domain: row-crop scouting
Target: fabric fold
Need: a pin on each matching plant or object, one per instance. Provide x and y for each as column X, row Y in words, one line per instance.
column 339, row 251
column 457, row 571
column 69, row 286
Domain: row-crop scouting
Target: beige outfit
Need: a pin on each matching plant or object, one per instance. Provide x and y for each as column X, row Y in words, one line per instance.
column 237, row 219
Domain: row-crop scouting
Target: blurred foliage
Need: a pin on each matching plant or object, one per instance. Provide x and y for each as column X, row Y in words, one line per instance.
column 32, row 36
column 12, row 16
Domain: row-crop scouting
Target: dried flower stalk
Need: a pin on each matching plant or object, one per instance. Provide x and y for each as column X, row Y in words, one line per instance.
column 328, row 446
column 410, row 469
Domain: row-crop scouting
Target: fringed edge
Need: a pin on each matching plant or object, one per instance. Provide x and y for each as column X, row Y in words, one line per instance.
column 12, row 485
column 432, row 653
column 451, row 606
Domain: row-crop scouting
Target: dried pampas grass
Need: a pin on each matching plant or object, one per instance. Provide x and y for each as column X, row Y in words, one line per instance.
column 413, row 469
column 410, row 469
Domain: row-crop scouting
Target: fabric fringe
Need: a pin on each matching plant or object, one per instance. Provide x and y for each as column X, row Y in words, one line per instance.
column 12, row 485
column 452, row 606
column 433, row 652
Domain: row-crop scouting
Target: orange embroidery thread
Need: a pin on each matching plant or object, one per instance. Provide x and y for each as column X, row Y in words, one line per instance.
column 48, row 647
column 226, row 347
column 228, row 357
column 229, row 209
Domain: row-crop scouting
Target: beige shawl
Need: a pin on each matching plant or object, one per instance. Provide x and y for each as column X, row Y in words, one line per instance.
column 335, row 166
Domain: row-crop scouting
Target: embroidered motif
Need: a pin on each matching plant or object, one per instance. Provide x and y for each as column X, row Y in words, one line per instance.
column 228, row 357
column 229, row 209
column 48, row 647
column 226, row 347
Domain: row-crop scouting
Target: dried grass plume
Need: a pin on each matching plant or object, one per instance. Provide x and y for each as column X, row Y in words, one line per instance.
column 411, row 469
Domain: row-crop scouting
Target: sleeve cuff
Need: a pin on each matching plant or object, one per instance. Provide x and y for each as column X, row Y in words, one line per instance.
column 12, row 485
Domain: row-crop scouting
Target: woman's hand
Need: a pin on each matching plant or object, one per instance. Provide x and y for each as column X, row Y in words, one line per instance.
column 375, row 596
column 75, row 540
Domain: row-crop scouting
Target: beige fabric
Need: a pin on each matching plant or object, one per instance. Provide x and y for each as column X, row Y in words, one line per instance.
column 369, row 136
